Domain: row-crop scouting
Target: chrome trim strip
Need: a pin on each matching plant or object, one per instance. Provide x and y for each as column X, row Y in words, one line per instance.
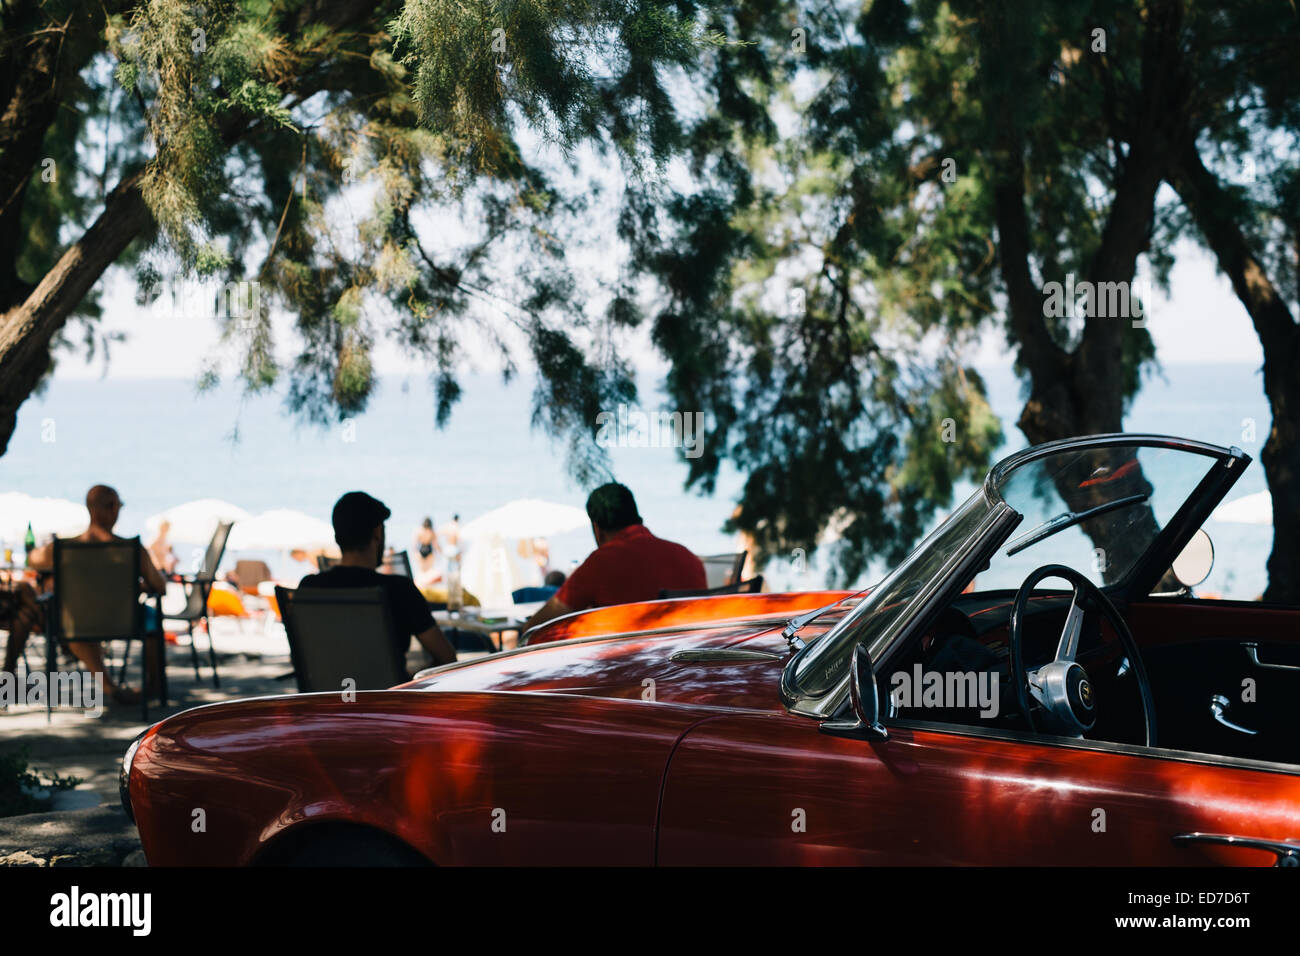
column 1003, row 516
column 722, row 654
column 1108, row 440
column 1288, row 854
column 1006, row 735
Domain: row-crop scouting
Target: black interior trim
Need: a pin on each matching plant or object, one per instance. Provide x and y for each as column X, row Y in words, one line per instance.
column 1143, row 577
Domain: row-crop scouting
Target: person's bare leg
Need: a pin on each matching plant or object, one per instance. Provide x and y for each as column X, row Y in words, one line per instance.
column 91, row 656
column 17, row 640
column 26, row 614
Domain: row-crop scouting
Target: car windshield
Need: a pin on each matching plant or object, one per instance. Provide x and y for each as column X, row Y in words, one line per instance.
column 1097, row 510
column 1096, row 507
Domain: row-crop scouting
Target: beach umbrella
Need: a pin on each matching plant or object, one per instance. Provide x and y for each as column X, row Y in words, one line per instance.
column 281, row 529
column 194, row 521
column 46, row 515
column 491, row 570
column 526, row 518
column 1252, row 509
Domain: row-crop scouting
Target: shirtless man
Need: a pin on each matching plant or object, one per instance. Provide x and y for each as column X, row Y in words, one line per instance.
column 104, row 506
column 160, row 549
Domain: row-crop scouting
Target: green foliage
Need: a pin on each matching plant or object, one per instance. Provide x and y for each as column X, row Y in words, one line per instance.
column 807, row 207
column 821, row 294
column 16, row 782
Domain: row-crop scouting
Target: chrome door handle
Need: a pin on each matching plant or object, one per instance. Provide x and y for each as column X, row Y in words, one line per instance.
column 1219, row 707
column 1252, row 651
column 1288, row 854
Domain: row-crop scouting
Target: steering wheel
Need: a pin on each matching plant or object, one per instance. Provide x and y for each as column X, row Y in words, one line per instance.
column 1061, row 687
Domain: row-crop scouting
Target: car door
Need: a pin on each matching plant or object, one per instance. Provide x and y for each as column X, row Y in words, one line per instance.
column 1242, row 655
column 751, row 788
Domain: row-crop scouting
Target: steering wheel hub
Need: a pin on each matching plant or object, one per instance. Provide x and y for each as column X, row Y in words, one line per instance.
column 1067, row 698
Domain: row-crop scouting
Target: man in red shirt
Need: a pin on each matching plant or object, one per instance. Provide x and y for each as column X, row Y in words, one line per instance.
column 629, row 563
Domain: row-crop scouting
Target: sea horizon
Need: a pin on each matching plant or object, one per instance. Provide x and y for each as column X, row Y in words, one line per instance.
column 160, row 442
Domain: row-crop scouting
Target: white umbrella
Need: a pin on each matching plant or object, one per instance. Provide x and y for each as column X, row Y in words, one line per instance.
column 526, row 518
column 490, row 571
column 281, row 529
column 46, row 515
column 194, row 521
column 1252, row 509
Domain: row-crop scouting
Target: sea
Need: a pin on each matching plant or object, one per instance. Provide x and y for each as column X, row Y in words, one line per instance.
column 161, row 442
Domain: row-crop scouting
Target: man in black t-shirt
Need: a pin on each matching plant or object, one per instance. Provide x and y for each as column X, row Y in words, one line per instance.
column 359, row 530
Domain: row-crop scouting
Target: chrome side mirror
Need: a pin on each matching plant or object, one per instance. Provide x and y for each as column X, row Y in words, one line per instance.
column 1193, row 565
column 864, row 699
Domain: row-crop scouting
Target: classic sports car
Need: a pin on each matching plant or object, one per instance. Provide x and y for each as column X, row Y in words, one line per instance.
column 960, row 712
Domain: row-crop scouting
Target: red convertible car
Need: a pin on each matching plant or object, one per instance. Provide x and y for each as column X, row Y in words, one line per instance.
column 1035, row 684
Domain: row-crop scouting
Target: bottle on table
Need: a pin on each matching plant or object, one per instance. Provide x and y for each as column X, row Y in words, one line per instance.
column 29, row 542
column 455, row 594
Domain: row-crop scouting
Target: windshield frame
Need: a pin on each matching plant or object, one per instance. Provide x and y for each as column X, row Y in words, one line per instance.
column 974, row 551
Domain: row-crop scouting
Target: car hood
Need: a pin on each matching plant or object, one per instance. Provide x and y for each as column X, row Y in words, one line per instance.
column 715, row 663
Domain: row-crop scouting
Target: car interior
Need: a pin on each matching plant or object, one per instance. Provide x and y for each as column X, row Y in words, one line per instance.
column 1224, row 675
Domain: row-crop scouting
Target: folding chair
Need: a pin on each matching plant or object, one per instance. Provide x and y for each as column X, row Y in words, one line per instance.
column 96, row 598
column 396, row 563
column 338, row 634
column 721, row 570
column 198, row 587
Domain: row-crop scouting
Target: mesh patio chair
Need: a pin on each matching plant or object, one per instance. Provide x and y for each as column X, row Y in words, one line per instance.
column 752, row 586
column 337, row 634
column 396, row 563
column 721, row 570
column 198, row 586
column 96, row 598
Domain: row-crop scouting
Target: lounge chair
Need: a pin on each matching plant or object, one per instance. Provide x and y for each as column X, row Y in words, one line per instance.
column 198, row 587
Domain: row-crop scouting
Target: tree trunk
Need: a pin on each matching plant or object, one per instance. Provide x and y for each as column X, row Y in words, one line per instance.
column 43, row 48
column 1279, row 335
column 36, row 61
column 27, row 328
column 1082, row 392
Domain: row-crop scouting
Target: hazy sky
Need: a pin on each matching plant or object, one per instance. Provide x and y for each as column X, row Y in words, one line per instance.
column 1201, row 322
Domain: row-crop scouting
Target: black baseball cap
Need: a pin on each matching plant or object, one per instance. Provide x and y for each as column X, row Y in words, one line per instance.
column 356, row 516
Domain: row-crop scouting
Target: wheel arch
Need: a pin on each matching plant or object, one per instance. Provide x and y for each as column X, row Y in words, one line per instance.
column 348, row 839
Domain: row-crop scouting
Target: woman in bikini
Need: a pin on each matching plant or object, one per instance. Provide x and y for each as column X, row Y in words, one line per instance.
column 426, row 548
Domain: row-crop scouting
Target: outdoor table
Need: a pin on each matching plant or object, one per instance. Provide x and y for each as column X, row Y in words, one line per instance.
column 489, row 621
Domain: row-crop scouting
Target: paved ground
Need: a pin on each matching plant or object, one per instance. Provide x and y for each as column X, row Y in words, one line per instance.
column 89, row 827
